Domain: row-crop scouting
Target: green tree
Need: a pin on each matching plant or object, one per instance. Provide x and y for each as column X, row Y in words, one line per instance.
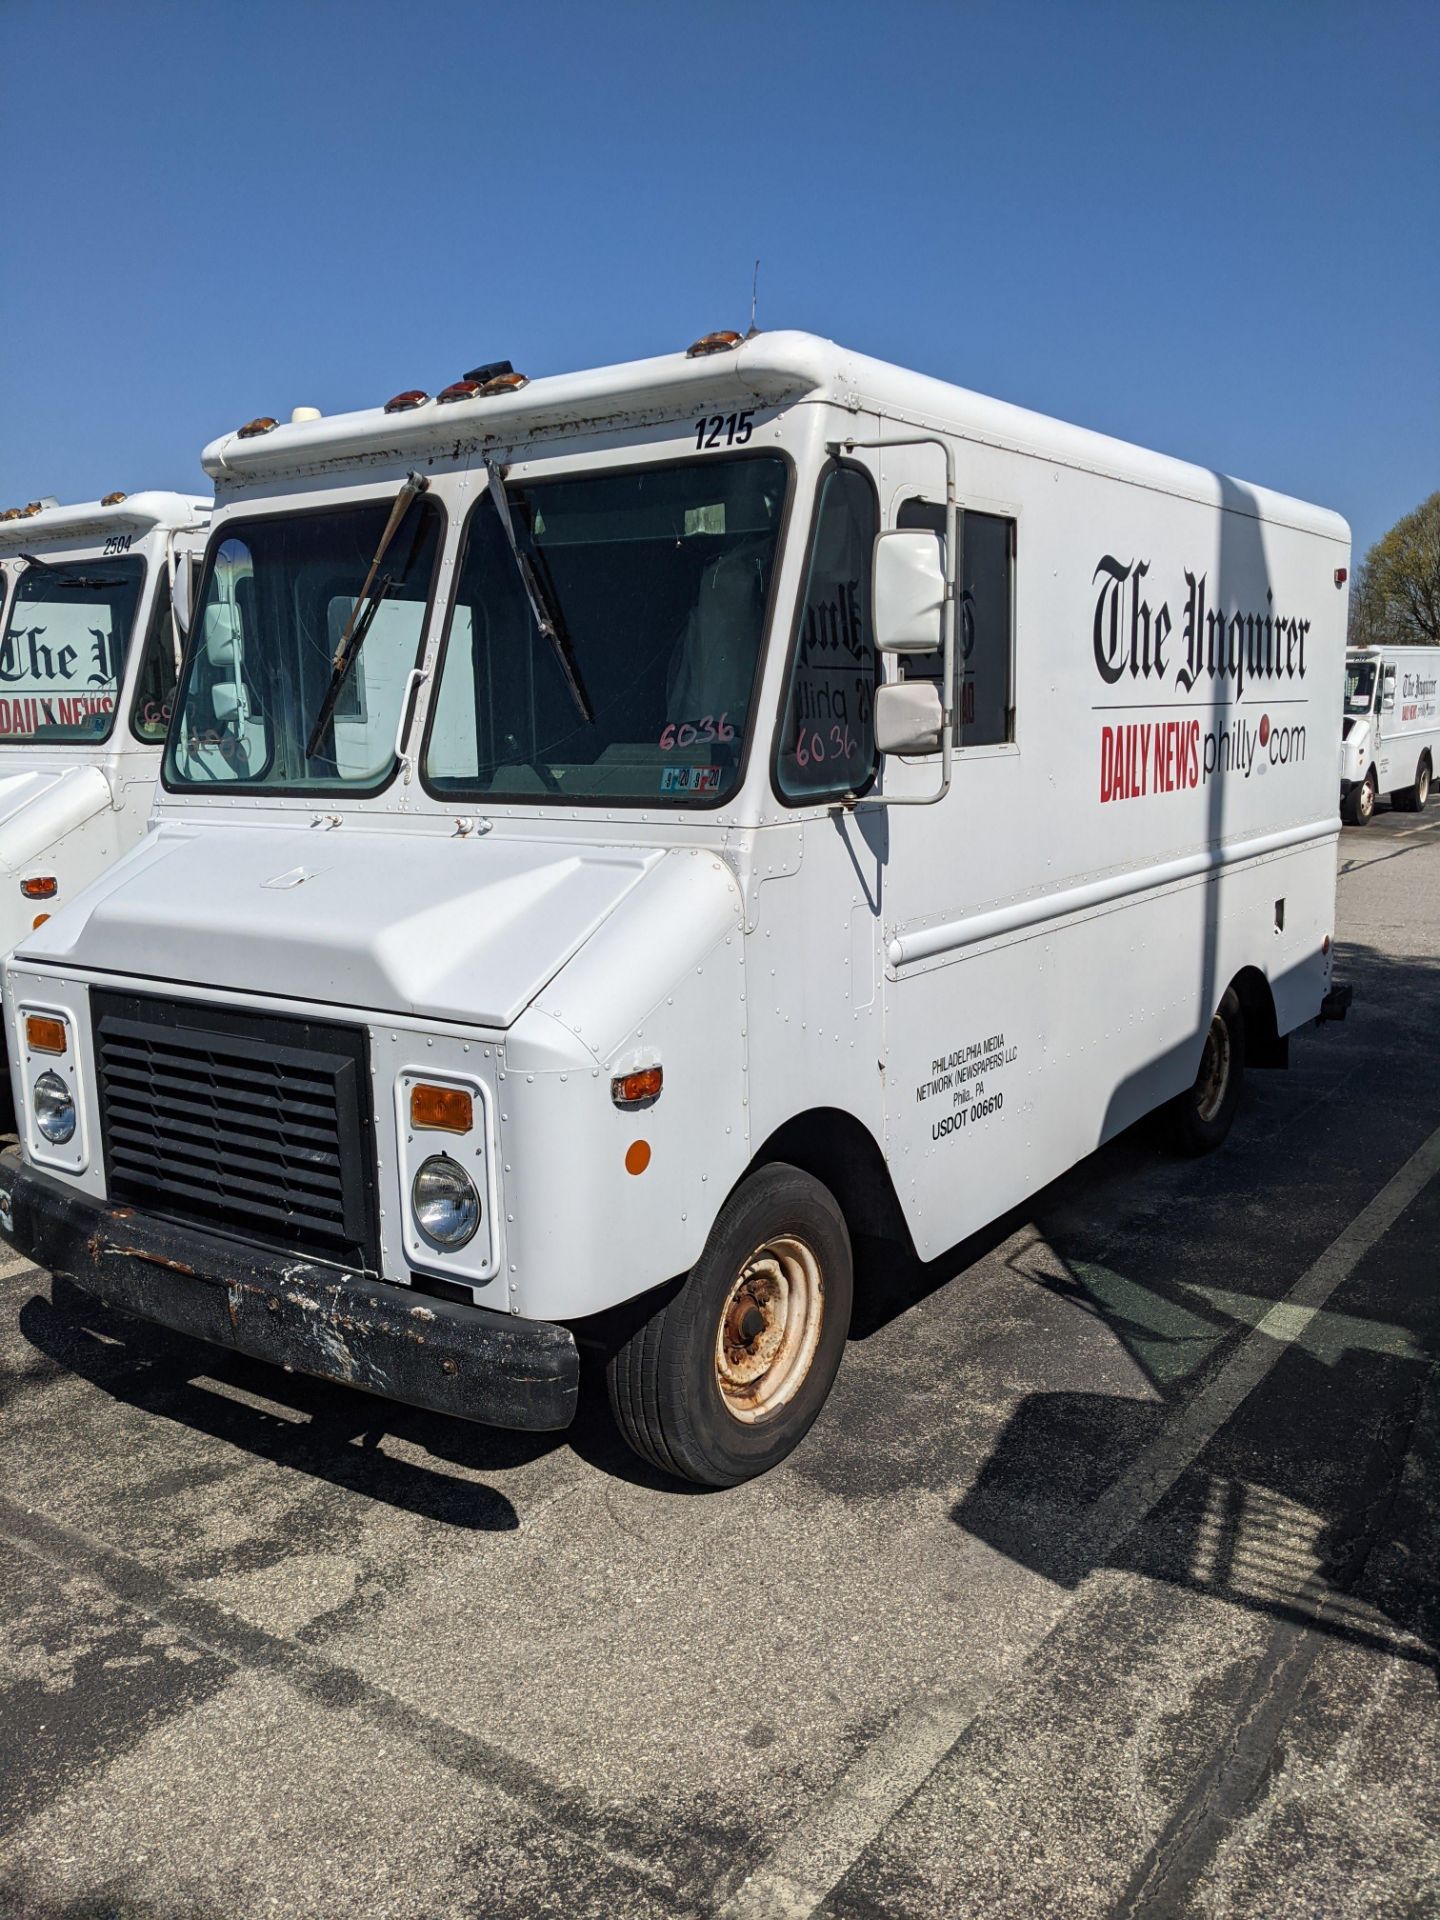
column 1396, row 598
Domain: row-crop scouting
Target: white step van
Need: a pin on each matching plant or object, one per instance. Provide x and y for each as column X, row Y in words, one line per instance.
column 1391, row 729
column 624, row 834
column 90, row 640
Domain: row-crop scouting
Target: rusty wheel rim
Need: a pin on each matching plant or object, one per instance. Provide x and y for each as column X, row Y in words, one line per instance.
column 1214, row 1076
column 769, row 1328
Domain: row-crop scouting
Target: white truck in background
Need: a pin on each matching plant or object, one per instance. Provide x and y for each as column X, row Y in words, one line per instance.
column 1391, row 729
column 92, row 602
column 623, row 833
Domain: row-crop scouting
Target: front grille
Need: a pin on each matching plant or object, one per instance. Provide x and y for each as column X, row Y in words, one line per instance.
column 247, row 1123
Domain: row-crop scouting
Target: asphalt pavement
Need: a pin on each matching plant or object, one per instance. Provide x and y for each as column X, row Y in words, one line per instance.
column 1108, row 1583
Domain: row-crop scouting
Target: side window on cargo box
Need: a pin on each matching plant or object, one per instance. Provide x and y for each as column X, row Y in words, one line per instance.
column 985, row 696
column 827, row 737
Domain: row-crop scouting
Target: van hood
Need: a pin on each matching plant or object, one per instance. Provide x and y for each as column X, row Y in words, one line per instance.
column 458, row 929
column 39, row 804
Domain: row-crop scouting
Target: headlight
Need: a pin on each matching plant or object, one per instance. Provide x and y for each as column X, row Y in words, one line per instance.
column 443, row 1198
column 55, row 1109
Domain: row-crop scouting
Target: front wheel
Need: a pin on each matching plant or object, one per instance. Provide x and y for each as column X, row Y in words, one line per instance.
column 727, row 1375
column 1360, row 802
column 1201, row 1117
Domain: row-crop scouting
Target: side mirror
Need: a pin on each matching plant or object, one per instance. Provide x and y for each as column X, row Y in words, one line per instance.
column 908, row 717
column 909, row 590
column 1387, row 695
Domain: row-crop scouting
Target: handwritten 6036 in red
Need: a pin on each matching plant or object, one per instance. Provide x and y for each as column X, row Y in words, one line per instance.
column 689, row 733
column 812, row 746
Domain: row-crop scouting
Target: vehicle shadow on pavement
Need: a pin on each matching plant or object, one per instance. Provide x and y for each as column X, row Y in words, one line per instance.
column 1317, row 1500
column 328, row 1431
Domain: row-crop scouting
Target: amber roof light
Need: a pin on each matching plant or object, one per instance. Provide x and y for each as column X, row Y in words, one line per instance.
column 721, row 342
column 252, row 429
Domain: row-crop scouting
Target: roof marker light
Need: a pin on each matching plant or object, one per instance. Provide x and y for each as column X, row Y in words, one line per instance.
column 254, row 428
column 403, row 402
column 29, row 512
column 458, row 390
column 721, row 342
column 506, row 383
column 112, row 499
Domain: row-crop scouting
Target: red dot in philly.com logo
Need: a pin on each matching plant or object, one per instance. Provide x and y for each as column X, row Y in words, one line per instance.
column 1264, row 728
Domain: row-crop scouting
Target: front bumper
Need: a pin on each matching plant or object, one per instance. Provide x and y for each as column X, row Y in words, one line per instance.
column 311, row 1318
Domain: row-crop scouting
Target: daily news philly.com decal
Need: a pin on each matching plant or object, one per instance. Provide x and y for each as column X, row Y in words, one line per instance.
column 1245, row 660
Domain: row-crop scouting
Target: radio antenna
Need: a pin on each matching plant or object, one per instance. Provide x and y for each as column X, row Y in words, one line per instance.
column 754, row 296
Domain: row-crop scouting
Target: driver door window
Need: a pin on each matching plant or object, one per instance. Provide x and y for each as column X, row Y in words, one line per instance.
column 827, row 738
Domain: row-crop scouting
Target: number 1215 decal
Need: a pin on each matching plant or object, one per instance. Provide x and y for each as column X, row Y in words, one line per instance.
column 724, row 430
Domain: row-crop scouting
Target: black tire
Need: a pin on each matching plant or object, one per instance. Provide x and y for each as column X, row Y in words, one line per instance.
column 686, row 1399
column 1358, row 807
column 1412, row 799
column 1201, row 1117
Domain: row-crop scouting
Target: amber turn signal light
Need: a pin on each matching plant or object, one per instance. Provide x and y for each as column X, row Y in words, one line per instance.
column 442, row 1109
column 44, row 1035
column 640, row 1089
column 40, row 886
column 252, row 429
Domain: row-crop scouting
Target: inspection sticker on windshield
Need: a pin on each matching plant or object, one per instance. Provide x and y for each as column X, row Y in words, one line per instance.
column 689, row 779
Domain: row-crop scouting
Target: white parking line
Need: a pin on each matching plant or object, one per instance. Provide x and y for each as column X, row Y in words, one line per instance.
column 822, row 1848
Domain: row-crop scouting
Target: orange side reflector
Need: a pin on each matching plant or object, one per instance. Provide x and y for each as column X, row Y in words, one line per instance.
column 637, row 1089
column 637, row 1156
column 38, row 921
column 40, row 886
column 43, row 1035
column 446, row 1109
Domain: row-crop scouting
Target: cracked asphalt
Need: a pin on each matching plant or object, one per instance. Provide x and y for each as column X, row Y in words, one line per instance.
column 1108, row 1584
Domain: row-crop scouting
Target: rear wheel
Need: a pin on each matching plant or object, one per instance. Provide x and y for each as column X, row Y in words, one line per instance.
column 1412, row 799
column 1201, row 1117
column 728, row 1373
column 1360, row 801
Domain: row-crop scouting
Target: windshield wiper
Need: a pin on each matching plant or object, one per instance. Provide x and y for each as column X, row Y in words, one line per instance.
column 70, row 579
column 543, row 606
column 362, row 614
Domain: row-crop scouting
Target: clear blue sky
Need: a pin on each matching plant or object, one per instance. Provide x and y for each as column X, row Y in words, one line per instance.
column 1214, row 229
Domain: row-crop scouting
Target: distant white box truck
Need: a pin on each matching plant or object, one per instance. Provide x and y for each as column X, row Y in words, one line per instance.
column 624, row 833
column 1391, row 729
column 90, row 637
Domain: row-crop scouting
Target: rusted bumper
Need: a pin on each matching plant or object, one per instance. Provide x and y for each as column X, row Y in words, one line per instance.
column 463, row 1360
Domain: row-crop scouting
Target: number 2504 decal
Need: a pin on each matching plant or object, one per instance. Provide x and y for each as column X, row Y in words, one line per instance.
column 724, row 430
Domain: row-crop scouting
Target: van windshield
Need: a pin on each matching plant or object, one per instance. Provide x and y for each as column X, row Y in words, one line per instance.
column 660, row 578
column 1359, row 685
column 63, row 651
column 273, row 605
